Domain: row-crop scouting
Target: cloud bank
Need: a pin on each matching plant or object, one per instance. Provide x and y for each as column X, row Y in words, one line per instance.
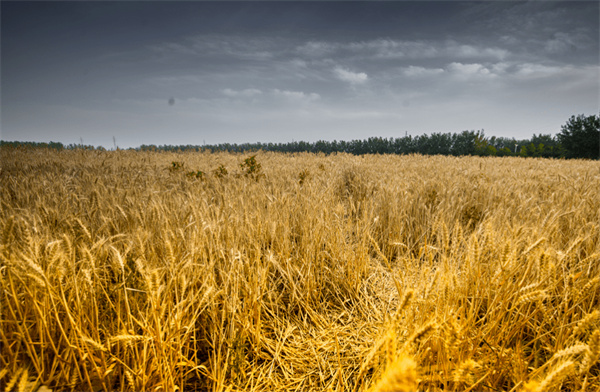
column 282, row 71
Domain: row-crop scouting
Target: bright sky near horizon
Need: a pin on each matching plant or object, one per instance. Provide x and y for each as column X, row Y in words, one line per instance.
column 157, row 72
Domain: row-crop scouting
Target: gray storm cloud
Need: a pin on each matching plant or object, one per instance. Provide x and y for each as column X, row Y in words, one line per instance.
column 513, row 69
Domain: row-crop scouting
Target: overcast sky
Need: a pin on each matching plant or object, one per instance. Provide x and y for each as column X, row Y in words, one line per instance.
column 213, row 72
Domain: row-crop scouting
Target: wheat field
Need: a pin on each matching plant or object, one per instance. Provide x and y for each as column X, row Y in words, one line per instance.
column 132, row 271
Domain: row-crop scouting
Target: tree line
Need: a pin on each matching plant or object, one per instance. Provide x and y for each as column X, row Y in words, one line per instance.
column 578, row 138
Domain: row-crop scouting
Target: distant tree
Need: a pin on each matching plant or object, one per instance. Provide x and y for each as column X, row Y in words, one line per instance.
column 580, row 137
column 440, row 143
column 489, row 151
column 546, row 140
column 534, row 151
column 546, row 146
column 504, row 152
column 465, row 143
column 423, row 146
column 404, row 145
column 484, row 146
column 504, row 146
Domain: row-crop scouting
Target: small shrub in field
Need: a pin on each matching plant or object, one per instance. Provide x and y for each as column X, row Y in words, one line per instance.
column 303, row 176
column 220, row 171
column 251, row 167
column 176, row 166
column 198, row 174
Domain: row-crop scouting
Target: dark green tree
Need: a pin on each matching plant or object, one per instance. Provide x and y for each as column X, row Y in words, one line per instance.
column 580, row 137
column 465, row 143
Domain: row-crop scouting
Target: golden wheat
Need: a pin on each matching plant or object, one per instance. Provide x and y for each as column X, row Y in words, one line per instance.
column 429, row 273
column 400, row 376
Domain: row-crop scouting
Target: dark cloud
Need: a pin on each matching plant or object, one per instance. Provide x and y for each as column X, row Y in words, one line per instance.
column 247, row 71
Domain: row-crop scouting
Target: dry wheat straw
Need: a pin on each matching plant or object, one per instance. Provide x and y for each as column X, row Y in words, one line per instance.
column 22, row 384
column 400, row 376
column 556, row 376
column 592, row 354
column 590, row 320
column 118, row 273
column 13, row 380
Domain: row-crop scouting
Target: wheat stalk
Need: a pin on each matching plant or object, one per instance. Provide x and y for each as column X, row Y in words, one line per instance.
column 400, row 376
column 556, row 376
